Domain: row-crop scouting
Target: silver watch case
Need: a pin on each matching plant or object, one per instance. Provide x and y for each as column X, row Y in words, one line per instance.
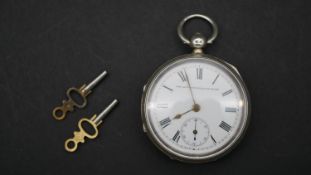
column 173, row 154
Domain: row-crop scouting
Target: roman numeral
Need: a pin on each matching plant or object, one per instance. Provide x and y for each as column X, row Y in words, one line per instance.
column 215, row 79
column 213, row 139
column 176, row 136
column 182, row 76
column 170, row 89
column 225, row 126
column 227, row 92
column 199, row 73
column 165, row 122
column 228, row 109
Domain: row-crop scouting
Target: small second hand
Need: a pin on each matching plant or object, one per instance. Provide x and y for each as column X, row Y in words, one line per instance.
column 195, row 130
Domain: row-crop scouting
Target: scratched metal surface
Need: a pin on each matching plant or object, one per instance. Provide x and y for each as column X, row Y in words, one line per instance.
column 49, row 46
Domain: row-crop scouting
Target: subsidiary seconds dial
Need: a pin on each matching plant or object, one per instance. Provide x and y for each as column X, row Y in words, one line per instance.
column 195, row 132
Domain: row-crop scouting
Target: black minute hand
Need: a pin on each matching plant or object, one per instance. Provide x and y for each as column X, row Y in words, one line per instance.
column 195, row 107
column 187, row 78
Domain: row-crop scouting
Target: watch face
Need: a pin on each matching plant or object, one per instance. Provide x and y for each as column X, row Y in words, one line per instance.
column 195, row 109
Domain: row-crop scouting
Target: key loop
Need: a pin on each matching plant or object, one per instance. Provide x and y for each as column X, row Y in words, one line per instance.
column 73, row 147
column 61, row 111
column 81, row 94
column 88, row 135
column 180, row 27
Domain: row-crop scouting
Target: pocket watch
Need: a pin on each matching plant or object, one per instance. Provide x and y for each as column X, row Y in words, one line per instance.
column 195, row 108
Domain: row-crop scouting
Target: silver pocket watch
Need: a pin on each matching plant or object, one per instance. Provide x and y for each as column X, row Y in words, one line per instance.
column 195, row 107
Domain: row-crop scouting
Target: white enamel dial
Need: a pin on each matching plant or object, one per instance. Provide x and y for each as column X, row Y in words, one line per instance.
column 195, row 108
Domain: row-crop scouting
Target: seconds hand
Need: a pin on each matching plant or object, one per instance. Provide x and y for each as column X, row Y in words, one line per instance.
column 195, row 130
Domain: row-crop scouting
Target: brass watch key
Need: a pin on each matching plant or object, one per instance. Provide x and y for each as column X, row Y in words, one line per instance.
column 71, row 144
column 59, row 113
